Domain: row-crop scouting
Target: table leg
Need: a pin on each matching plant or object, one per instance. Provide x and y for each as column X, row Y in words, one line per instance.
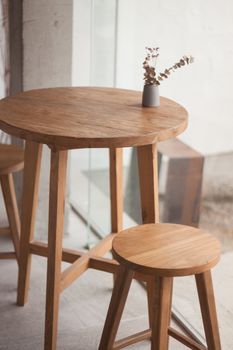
column 32, row 162
column 116, row 189
column 55, row 234
column 148, row 179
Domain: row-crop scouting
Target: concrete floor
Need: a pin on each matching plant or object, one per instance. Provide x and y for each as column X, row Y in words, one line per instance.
column 83, row 307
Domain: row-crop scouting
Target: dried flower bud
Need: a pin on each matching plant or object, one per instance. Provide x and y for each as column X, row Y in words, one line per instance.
column 150, row 75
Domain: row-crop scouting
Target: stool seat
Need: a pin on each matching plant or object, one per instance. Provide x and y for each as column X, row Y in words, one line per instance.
column 11, row 159
column 166, row 249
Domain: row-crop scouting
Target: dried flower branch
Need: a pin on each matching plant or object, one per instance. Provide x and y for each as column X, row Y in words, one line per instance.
column 151, row 77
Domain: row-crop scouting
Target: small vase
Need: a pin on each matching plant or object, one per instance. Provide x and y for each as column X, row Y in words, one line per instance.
column 150, row 96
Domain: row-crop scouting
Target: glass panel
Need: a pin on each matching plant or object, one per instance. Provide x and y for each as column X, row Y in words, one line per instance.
column 103, row 43
column 92, row 166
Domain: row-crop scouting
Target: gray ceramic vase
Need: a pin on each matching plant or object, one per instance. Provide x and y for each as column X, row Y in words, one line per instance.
column 150, row 96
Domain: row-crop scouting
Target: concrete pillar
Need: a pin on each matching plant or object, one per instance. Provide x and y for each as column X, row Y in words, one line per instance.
column 4, row 80
column 47, row 43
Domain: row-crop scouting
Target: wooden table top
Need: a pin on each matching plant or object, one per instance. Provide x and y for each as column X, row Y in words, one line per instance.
column 82, row 117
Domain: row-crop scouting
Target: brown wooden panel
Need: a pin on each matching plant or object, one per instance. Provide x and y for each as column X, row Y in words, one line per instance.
column 182, row 197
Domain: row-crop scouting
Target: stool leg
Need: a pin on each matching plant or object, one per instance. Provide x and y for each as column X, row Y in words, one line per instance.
column 151, row 290
column 116, row 307
column 208, row 310
column 55, row 234
column 162, row 312
column 8, row 190
column 32, row 161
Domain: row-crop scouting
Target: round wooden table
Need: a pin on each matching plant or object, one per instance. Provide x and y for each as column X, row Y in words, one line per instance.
column 69, row 118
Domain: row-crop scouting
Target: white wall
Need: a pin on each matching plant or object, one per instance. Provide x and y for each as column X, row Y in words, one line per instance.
column 201, row 28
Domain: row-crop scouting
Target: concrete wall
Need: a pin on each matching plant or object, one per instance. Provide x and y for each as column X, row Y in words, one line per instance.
column 4, row 81
column 47, row 38
column 4, row 61
column 4, row 57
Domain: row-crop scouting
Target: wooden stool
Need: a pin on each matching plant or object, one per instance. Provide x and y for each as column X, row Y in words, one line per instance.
column 163, row 251
column 11, row 160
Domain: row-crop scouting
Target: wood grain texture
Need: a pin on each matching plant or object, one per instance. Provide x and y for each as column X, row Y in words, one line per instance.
column 144, row 335
column 162, row 313
column 55, row 235
column 208, row 310
column 71, row 255
column 4, row 231
column 149, row 194
column 150, row 290
column 8, row 191
column 7, row 255
column 33, row 152
column 190, row 343
column 116, row 188
column 71, row 273
column 132, row 339
column 148, row 178
column 166, row 249
column 116, row 307
column 11, row 159
column 83, row 117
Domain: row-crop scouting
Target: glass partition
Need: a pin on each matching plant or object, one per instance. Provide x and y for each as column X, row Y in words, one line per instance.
column 196, row 185
column 96, row 48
